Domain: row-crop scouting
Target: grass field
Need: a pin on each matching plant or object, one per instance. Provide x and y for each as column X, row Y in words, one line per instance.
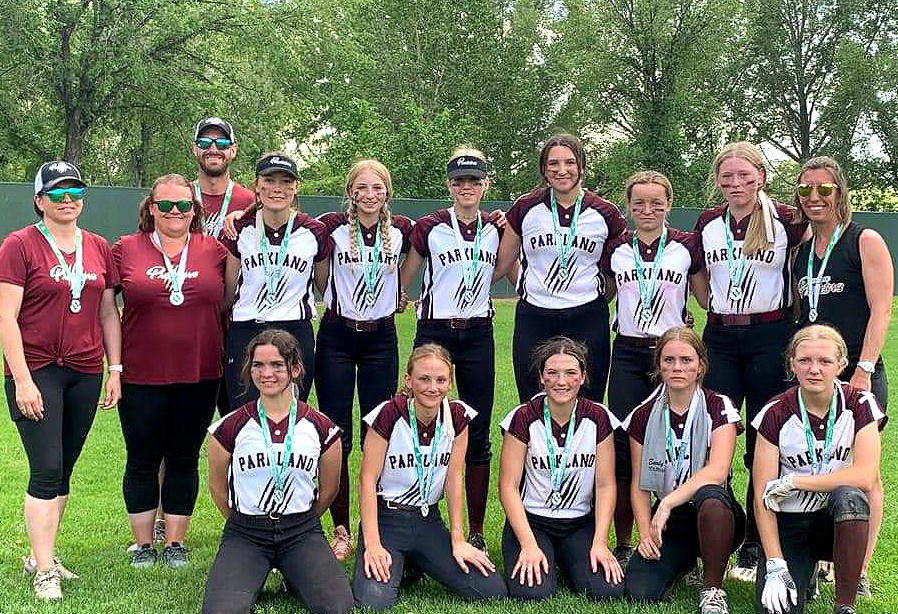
column 95, row 532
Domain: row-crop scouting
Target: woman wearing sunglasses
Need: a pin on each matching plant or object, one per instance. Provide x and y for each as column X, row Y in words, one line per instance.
column 848, row 284
column 269, row 275
column 650, row 268
column 57, row 316
column 172, row 285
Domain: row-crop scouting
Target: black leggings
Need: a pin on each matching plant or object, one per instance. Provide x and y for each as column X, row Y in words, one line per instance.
column 53, row 443
column 164, row 422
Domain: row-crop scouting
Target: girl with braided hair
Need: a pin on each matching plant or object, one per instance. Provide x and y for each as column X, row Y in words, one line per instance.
column 357, row 336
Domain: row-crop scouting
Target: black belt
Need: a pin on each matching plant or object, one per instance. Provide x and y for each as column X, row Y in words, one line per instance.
column 637, row 342
column 401, row 507
column 359, row 326
column 460, row 323
column 738, row 319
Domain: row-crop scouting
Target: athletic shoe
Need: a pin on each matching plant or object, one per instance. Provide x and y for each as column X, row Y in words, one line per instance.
column 813, row 588
column 746, row 568
column 696, row 575
column 864, row 588
column 478, row 541
column 175, row 556
column 47, row 584
column 623, row 553
column 826, row 571
column 342, row 543
column 159, row 531
column 713, row 601
column 845, row 609
column 29, row 568
column 144, row 557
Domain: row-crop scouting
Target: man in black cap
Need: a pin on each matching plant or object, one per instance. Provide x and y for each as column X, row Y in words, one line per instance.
column 214, row 147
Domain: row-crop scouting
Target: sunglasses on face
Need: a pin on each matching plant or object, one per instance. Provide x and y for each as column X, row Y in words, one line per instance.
column 205, row 142
column 167, row 205
column 823, row 189
column 57, row 194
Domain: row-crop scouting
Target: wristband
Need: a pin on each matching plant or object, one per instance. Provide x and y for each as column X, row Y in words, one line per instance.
column 117, row 368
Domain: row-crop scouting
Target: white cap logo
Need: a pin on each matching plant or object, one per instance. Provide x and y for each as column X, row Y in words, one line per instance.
column 465, row 162
column 59, row 167
column 281, row 161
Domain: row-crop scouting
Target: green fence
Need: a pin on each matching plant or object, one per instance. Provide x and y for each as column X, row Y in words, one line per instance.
column 112, row 212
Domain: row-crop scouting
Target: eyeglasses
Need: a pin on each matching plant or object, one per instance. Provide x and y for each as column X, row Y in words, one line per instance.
column 205, row 142
column 823, row 189
column 167, row 205
column 57, row 194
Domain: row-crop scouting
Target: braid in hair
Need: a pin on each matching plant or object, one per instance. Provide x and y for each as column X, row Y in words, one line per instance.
column 386, row 223
column 354, row 247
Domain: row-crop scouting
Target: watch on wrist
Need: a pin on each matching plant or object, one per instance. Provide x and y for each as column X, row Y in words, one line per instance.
column 866, row 366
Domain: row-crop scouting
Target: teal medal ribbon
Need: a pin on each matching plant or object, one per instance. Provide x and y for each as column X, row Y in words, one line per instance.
column 815, row 283
column 425, row 476
column 557, row 470
column 817, row 466
column 564, row 242
column 473, row 267
column 278, row 470
column 370, row 265
column 177, row 276
column 735, row 266
column 678, row 455
column 74, row 275
column 215, row 223
column 646, row 291
column 274, row 273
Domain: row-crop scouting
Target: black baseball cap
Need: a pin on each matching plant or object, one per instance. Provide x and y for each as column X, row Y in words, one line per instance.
column 466, row 166
column 214, row 122
column 52, row 173
column 273, row 163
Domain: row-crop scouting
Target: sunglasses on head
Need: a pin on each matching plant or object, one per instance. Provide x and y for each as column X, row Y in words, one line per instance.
column 167, row 205
column 823, row 189
column 57, row 194
column 205, row 142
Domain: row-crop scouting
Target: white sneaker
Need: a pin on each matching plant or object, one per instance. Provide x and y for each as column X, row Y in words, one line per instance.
column 47, row 584
column 29, row 567
column 713, row 601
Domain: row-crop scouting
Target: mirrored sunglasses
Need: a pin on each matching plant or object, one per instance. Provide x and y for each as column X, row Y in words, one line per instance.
column 823, row 189
column 205, row 142
column 57, row 194
column 167, row 205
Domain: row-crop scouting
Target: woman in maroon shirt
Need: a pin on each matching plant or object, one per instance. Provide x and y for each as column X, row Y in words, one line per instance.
column 57, row 313
column 172, row 282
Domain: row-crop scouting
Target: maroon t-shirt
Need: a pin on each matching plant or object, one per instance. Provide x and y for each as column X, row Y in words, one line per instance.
column 51, row 333
column 163, row 343
column 241, row 198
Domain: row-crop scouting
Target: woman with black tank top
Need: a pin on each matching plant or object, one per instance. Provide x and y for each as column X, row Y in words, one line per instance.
column 849, row 285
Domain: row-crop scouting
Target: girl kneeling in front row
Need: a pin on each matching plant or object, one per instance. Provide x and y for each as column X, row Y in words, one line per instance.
column 817, row 456
column 414, row 451
column 682, row 440
column 273, row 507
column 562, row 446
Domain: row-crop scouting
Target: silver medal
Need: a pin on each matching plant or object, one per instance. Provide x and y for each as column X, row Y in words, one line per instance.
column 369, row 298
column 75, row 306
column 271, row 299
column 735, row 294
column 278, row 496
column 425, row 509
column 469, row 296
column 812, row 315
column 562, row 273
column 176, row 298
column 555, row 498
column 646, row 314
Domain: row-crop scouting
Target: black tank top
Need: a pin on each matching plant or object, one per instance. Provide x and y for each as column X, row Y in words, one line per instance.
column 843, row 300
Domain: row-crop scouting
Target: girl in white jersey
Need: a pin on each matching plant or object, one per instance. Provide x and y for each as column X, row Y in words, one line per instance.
column 357, row 336
column 274, row 467
column 816, row 458
column 747, row 244
column 559, row 231
column 682, row 440
column 269, row 272
column 413, row 453
column 458, row 247
column 556, row 483
column 650, row 269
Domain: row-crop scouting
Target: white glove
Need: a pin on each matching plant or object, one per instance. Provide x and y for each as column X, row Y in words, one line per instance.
column 780, row 593
column 777, row 490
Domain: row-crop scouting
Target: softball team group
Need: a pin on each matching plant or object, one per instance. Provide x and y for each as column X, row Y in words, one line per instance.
column 218, row 288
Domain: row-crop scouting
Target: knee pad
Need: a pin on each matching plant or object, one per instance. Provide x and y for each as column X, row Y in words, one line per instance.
column 847, row 503
column 710, row 492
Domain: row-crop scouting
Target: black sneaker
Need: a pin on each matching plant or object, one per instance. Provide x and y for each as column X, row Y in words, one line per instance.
column 845, row 609
column 478, row 541
column 623, row 553
column 144, row 556
column 747, row 559
column 175, row 556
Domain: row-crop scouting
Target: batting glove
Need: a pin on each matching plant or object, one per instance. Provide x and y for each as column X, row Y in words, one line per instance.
column 780, row 593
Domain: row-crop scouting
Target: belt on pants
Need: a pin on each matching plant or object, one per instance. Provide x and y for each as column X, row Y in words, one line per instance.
column 738, row 319
column 359, row 326
column 459, row 323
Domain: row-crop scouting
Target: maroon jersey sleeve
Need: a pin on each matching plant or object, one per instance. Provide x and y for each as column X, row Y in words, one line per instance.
column 405, row 226
column 459, row 419
column 598, row 414
column 332, row 220
column 418, row 237
column 692, row 242
column 862, row 404
column 328, row 432
column 239, row 226
column 389, row 414
column 13, row 268
column 608, row 251
column 226, row 433
column 638, row 420
column 519, row 427
column 322, row 236
column 794, row 232
column 703, row 220
column 614, row 219
column 776, row 413
column 520, row 207
column 722, row 411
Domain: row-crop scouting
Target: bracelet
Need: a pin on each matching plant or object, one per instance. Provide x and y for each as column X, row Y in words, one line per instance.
column 117, row 368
